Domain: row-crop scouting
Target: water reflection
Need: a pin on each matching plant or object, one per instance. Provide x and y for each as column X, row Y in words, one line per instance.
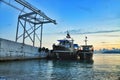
column 71, row 70
column 100, row 69
column 43, row 69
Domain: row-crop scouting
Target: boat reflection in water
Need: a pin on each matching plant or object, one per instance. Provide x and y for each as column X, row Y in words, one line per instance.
column 105, row 67
column 67, row 50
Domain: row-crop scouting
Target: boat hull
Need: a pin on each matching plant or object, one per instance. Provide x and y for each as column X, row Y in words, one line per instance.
column 85, row 55
column 65, row 55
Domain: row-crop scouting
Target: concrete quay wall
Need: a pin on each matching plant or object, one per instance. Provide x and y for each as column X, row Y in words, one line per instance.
column 10, row 50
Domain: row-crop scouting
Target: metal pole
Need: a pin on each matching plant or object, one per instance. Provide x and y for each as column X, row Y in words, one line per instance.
column 17, row 30
column 24, row 31
column 86, row 40
column 34, row 36
column 34, row 30
column 41, row 36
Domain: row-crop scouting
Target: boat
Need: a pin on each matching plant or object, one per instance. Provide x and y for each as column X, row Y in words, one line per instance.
column 67, row 49
column 86, row 51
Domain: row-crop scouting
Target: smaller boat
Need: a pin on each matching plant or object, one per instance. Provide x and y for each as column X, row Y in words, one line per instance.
column 86, row 51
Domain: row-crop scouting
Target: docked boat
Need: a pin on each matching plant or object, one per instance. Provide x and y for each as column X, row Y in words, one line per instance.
column 66, row 49
column 86, row 51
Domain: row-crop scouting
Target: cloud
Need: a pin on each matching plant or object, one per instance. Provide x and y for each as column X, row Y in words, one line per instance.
column 92, row 32
column 110, row 35
column 107, row 31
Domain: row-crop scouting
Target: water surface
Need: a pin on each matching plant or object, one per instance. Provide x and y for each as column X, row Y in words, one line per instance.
column 105, row 67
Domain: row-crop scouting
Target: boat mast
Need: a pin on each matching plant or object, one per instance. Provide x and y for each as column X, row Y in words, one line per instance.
column 86, row 40
column 68, row 35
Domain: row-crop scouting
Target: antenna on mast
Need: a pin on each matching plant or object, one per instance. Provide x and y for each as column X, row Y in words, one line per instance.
column 86, row 40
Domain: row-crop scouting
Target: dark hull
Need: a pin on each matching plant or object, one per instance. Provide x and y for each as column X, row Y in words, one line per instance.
column 62, row 56
column 85, row 55
column 62, row 53
column 66, row 56
column 71, row 56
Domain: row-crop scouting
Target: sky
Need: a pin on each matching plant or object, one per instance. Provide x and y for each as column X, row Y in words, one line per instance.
column 99, row 20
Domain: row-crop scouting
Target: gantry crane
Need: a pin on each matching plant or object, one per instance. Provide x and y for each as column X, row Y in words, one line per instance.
column 35, row 19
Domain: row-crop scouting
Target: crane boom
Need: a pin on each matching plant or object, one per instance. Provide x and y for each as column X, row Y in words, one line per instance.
column 31, row 7
column 34, row 9
column 32, row 18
